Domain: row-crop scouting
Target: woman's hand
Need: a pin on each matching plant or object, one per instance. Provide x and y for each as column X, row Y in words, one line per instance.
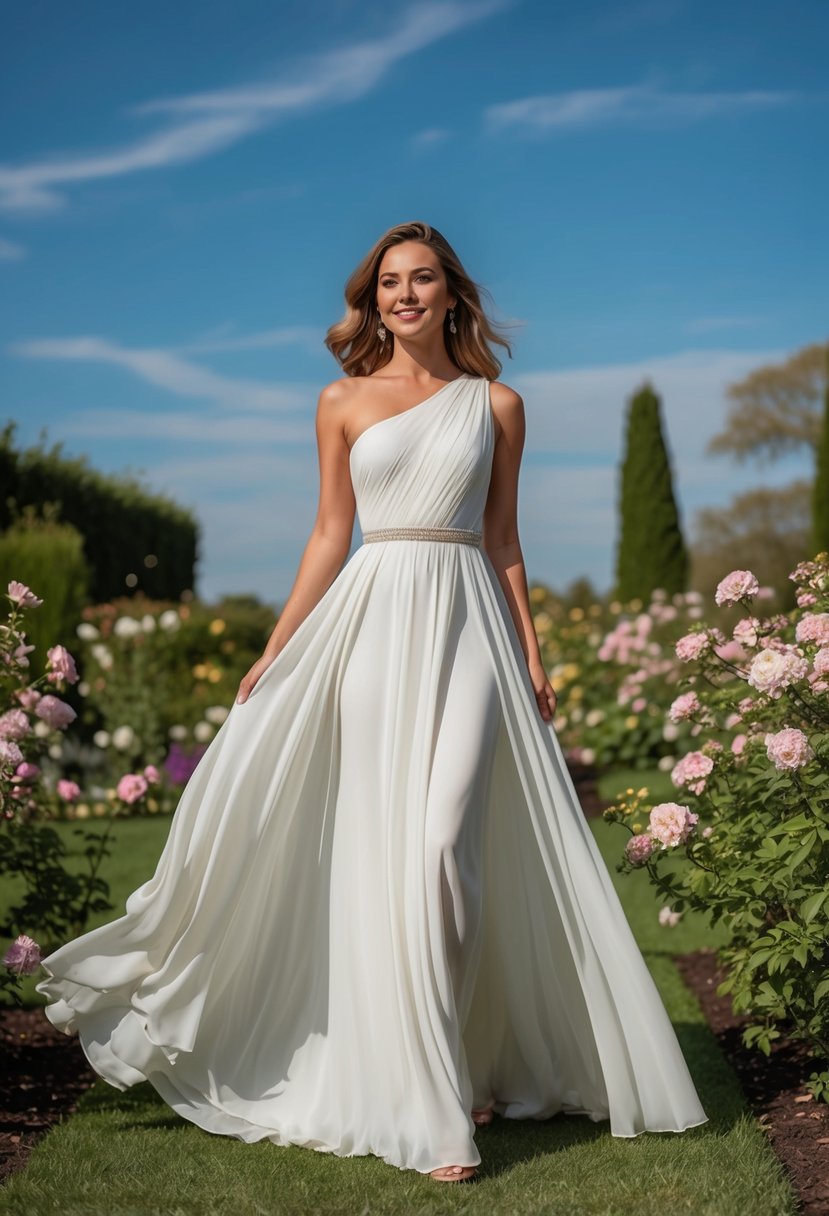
column 544, row 693
column 248, row 682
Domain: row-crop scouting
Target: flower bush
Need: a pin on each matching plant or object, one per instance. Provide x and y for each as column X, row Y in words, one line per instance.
column 748, row 842
column 615, row 668
column 158, row 681
column 57, row 901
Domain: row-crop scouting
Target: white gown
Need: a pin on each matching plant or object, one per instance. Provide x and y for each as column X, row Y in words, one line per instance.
column 379, row 905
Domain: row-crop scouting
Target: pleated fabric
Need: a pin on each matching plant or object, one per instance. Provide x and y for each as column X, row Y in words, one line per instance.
column 379, row 905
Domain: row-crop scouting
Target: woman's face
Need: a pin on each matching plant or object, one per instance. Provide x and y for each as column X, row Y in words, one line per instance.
column 412, row 293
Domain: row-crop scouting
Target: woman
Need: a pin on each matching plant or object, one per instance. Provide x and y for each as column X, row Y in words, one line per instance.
column 380, row 918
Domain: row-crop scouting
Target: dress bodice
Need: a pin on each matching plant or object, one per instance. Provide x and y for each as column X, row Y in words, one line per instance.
column 430, row 465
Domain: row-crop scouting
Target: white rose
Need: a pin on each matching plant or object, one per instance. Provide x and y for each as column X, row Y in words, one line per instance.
column 87, row 631
column 101, row 738
column 177, row 732
column 202, row 731
column 148, row 623
column 122, row 737
column 102, row 656
column 216, row 714
column 126, row 627
column 169, row 620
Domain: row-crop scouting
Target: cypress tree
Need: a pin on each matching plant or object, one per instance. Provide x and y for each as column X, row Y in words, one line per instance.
column 651, row 551
column 820, row 494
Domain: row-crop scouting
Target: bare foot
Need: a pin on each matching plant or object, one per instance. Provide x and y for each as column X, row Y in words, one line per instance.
column 453, row 1173
column 484, row 1114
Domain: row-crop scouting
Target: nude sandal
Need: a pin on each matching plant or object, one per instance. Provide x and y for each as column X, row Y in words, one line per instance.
column 484, row 1114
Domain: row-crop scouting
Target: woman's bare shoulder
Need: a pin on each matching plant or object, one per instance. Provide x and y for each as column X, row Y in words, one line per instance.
column 507, row 407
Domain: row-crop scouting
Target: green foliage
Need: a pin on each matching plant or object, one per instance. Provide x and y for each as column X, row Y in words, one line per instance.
column 56, row 903
column 47, row 556
column 820, row 493
column 651, row 551
column 127, row 530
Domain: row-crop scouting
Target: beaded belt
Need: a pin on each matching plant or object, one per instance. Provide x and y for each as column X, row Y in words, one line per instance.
column 466, row 536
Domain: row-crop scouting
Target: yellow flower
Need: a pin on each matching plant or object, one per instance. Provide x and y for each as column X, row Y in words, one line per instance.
column 200, row 671
column 629, row 791
column 576, row 614
column 637, row 827
column 218, row 626
column 542, row 620
column 81, row 810
column 643, row 793
column 630, row 721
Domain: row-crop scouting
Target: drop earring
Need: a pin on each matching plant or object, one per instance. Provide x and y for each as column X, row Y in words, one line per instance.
column 453, row 329
column 381, row 329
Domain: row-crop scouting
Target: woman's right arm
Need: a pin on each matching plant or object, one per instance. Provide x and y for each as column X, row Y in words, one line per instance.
column 330, row 538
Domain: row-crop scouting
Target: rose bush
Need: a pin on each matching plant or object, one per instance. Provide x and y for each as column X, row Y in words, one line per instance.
column 748, row 845
column 56, row 903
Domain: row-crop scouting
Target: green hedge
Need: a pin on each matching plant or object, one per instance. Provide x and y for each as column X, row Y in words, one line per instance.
column 48, row 557
column 127, row 530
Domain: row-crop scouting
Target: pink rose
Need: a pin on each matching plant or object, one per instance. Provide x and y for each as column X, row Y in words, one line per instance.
column 152, row 774
column 10, row 753
column 738, row 744
column 638, row 704
column 813, row 627
column 62, row 665
column 68, row 790
column 746, row 631
column 14, row 724
column 691, row 646
column 788, row 748
column 805, row 599
column 821, row 662
column 684, row 707
column 28, row 697
column 20, row 594
column 692, row 770
column 26, row 772
column 23, row 956
column 54, row 712
column 639, row 848
column 738, row 585
column 131, row 787
column 671, row 824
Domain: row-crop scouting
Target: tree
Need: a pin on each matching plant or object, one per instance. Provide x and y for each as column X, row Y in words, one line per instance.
column 763, row 530
column 820, row 494
column 651, row 551
column 776, row 408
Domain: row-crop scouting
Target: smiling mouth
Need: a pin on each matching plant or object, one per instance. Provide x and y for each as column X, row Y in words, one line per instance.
column 409, row 312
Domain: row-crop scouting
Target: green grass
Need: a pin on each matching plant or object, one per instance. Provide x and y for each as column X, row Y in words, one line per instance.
column 128, row 1153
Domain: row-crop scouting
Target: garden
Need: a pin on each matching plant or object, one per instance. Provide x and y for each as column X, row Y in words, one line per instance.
column 696, row 727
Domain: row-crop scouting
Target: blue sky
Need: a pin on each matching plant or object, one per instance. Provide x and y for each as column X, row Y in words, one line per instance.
column 184, row 190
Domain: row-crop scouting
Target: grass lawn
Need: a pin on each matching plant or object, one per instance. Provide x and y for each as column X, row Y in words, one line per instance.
column 128, row 1153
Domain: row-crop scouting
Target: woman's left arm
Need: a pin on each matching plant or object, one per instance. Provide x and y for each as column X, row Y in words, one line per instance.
column 501, row 540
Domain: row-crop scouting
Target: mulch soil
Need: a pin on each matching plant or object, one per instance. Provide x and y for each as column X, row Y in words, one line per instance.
column 48, row 1072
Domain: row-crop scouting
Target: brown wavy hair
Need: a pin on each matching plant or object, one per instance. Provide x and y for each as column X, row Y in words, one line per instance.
column 353, row 341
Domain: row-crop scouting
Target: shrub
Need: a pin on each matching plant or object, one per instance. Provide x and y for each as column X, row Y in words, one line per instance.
column 747, row 842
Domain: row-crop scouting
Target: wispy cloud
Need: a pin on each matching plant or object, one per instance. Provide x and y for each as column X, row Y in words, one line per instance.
column 633, row 105
column 430, row 138
column 165, row 370
column 221, row 339
column 10, row 251
column 208, row 122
